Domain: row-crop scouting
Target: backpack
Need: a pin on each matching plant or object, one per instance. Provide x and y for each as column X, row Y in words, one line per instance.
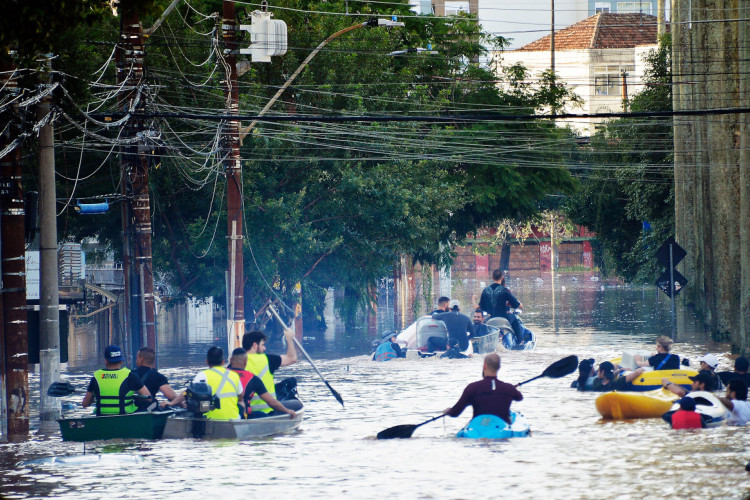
column 489, row 299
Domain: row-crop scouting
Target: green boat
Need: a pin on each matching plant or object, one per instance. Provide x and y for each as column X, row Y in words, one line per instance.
column 130, row 426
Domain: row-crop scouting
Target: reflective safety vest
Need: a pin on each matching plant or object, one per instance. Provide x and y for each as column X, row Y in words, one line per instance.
column 682, row 419
column 112, row 398
column 226, row 386
column 257, row 364
column 385, row 352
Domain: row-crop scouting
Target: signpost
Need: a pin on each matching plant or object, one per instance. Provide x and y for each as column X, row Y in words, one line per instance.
column 671, row 281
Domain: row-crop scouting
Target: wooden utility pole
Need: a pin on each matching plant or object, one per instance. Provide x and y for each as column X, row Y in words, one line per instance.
column 14, row 341
column 235, row 271
column 140, row 311
column 624, row 91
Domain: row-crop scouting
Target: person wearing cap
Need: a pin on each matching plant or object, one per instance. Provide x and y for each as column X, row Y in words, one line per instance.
column 699, row 383
column 253, row 387
column 113, row 388
column 460, row 327
column 736, row 402
column 388, row 348
column 495, row 301
column 686, row 417
column 663, row 359
column 607, row 380
column 155, row 382
column 708, row 364
column 741, row 366
column 489, row 396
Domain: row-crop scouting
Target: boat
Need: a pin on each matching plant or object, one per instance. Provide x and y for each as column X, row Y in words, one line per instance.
column 712, row 411
column 619, row 405
column 494, row 427
column 183, row 427
column 652, row 379
column 424, row 337
column 100, row 428
column 507, row 338
column 486, row 343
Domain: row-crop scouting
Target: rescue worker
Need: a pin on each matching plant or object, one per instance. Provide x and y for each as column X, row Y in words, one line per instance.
column 264, row 365
column 252, row 386
column 113, row 387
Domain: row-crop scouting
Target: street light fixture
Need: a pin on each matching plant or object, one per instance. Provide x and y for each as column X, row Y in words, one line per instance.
column 413, row 50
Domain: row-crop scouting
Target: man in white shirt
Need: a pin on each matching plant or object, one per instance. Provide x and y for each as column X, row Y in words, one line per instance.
column 736, row 403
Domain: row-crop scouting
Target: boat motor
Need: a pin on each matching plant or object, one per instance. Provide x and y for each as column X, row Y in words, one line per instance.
column 200, row 399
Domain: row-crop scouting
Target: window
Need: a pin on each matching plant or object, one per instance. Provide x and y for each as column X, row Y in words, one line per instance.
column 455, row 8
column 634, row 7
column 607, row 80
column 602, row 7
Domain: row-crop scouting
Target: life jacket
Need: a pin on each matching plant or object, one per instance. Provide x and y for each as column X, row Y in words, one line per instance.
column 682, row 419
column 225, row 385
column 112, row 397
column 245, row 378
column 257, row 364
column 385, row 352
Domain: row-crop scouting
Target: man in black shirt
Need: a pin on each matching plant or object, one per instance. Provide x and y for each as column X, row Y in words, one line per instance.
column 740, row 372
column 442, row 306
column 155, row 382
column 495, row 301
column 460, row 327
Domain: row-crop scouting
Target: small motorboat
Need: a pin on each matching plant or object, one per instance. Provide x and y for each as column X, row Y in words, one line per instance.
column 486, row 343
column 494, row 427
column 708, row 406
column 619, row 405
column 426, row 337
column 148, row 425
column 178, row 427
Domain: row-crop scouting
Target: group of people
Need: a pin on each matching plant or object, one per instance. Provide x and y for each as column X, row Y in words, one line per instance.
column 245, row 388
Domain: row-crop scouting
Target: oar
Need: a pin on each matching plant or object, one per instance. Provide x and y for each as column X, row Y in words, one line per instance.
column 60, row 389
column 403, row 431
column 309, row 359
column 555, row 370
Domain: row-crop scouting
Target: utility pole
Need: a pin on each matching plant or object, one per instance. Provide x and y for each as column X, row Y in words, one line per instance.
column 661, row 25
column 552, row 36
column 140, row 321
column 15, row 346
column 624, row 91
column 233, row 167
column 49, row 293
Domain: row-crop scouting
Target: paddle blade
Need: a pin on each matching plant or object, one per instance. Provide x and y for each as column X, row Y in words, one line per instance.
column 398, row 432
column 562, row 367
column 335, row 394
column 60, row 389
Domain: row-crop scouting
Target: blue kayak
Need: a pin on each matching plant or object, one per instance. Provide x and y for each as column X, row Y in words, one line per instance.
column 494, row 427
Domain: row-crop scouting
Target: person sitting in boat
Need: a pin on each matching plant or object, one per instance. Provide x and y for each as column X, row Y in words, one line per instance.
column 264, row 365
column 460, row 327
column 443, row 305
column 686, row 417
column 495, row 301
column 253, row 387
column 586, row 375
column 488, row 396
column 388, row 348
column 155, row 382
column 113, row 388
column 708, row 364
column 699, row 383
column 480, row 329
column 663, row 359
column 736, row 402
column 741, row 366
column 225, row 385
column 609, row 380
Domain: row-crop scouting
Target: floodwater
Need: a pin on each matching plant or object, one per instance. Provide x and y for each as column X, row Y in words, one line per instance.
column 572, row 453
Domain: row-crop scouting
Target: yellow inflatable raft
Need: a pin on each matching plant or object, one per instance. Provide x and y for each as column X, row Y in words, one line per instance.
column 651, row 379
column 650, row 404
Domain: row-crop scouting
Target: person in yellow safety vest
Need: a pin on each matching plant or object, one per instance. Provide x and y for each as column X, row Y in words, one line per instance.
column 264, row 365
column 253, row 386
column 113, row 388
column 225, row 385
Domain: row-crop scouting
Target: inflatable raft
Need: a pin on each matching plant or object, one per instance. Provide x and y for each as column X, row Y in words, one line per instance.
column 708, row 406
column 624, row 405
column 494, row 427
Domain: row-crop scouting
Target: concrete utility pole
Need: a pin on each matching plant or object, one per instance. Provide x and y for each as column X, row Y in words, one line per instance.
column 14, row 343
column 235, row 270
column 49, row 293
column 624, row 91
column 552, row 36
column 661, row 24
column 136, row 212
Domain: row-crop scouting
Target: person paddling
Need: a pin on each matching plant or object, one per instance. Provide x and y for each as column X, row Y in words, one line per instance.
column 252, row 387
column 264, row 365
column 488, row 396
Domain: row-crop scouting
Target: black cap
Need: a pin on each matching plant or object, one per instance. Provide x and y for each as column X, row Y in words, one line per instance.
column 687, row 403
column 702, row 377
column 606, row 366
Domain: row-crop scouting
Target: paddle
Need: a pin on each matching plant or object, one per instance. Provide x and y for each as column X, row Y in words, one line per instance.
column 60, row 389
column 557, row 369
column 309, row 359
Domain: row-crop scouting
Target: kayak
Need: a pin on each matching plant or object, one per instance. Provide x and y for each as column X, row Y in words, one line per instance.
column 494, row 427
column 99, row 428
column 713, row 413
column 178, row 427
column 621, row 405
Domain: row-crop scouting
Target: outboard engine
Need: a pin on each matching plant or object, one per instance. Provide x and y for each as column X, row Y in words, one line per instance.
column 200, row 399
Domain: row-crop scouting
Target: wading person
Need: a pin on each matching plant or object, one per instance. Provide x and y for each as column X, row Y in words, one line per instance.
column 708, row 364
column 740, row 372
column 699, row 383
column 663, row 359
column 155, row 382
column 113, row 388
column 736, row 402
column 264, row 365
column 686, row 417
column 442, row 305
column 252, row 386
column 488, row 396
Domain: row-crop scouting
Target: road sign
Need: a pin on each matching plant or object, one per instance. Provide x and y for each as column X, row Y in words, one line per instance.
column 662, row 254
column 664, row 283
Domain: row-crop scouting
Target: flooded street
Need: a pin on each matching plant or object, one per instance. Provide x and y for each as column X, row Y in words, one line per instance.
column 572, row 453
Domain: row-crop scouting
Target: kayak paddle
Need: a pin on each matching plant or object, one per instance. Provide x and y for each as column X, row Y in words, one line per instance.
column 403, row 431
column 60, row 389
column 557, row 369
column 307, row 356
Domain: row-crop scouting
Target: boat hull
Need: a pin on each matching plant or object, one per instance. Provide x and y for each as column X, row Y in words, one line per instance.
column 130, row 426
column 188, row 427
column 651, row 380
column 708, row 406
column 494, row 427
column 618, row 405
column 486, row 343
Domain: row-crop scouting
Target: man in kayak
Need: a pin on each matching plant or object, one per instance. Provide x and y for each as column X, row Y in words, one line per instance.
column 699, row 383
column 607, row 380
column 155, row 382
column 460, row 327
column 495, row 301
column 112, row 388
column 264, row 365
column 736, row 402
column 488, row 396
column 252, row 387
column 663, row 359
